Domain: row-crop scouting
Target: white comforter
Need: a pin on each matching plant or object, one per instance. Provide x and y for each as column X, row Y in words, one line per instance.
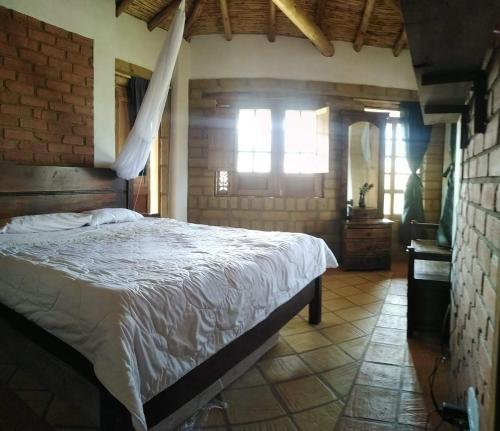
column 148, row 301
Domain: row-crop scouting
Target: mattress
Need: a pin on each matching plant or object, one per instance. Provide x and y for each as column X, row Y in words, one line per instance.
column 146, row 302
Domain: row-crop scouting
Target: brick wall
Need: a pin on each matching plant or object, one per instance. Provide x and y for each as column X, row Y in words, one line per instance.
column 476, row 279
column 46, row 93
column 317, row 216
column 432, row 174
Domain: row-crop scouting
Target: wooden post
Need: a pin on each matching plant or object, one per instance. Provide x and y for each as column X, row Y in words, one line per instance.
column 226, row 20
column 306, row 25
column 363, row 25
column 163, row 15
column 271, row 34
column 400, row 42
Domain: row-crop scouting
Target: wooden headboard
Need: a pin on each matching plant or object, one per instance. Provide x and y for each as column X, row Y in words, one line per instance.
column 28, row 190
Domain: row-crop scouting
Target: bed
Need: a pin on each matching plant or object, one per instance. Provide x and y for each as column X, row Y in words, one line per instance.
column 154, row 315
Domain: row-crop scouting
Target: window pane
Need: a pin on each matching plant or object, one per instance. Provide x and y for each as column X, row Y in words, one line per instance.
column 291, row 163
column 387, row 168
column 401, row 166
column 254, row 140
column 245, row 162
column 387, row 181
column 400, row 148
column 400, row 182
column 262, row 162
column 399, row 132
column 388, row 132
column 398, row 203
column 388, row 148
column 387, row 203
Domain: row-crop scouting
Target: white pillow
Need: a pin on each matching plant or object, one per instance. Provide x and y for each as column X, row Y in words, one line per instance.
column 46, row 222
column 112, row 215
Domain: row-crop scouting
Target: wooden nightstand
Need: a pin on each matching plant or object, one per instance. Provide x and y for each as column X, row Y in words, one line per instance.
column 366, row 244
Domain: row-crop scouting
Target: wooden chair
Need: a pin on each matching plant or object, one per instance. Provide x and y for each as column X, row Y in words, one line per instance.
column 429, row 285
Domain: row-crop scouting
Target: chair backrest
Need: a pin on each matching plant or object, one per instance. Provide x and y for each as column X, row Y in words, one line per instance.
column 423, row 230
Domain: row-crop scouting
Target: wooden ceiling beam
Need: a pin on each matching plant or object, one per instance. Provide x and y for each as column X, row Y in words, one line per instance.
column 306, row 25
column 123, row 6
column 399, row 43
column 226, row 21
column 271, row 31
column 359, row 40
column 167, row 12
column 196, row 11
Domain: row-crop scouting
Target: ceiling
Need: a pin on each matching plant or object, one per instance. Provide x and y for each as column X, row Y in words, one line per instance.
column 362, row 22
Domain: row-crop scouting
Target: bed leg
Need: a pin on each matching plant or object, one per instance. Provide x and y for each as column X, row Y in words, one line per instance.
column 113, row 415
column 315, row 304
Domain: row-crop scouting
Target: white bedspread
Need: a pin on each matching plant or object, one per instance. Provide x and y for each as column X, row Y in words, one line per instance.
column 148, row 301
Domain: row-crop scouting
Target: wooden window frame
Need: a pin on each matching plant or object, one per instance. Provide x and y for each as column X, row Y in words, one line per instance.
column 276, row 183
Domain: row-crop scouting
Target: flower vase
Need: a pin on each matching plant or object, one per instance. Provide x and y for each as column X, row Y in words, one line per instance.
column 362, row 203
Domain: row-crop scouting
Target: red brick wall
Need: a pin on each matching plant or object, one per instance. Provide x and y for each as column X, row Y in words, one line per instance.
column 46, row 93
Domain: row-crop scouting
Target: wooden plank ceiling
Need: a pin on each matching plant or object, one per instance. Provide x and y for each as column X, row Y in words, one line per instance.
column 361, row 22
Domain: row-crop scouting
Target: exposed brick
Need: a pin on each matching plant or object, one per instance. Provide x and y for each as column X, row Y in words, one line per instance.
column 35, row 147
column 56, row 31
column 82, row 91
column 17, row 110
column 8, row 120
column 18, row 156
column 73, row 140
column 41, row 36
column 61, row 107
column 23, row 42
column 7, row 74
column 73, row 159
column 78, row 59
column 17, row 64
column 68, row 45
column 8, row 50
column 81, row 149
column 60, row 148
column 48, row 94
column 18, row 134
column 60, row 86
column 47, row 158
column 33, row 124
column 74, row 100
column 33, row 101
column 61, row 65
column 14, row 27
column 52, row 51
column 73, row 79
column 84, row 71
column 30, row 79
column 81, row 40
column 48, row 72
column 33, row 57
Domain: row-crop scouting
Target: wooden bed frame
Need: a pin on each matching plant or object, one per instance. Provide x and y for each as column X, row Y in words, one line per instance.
column 42, row 189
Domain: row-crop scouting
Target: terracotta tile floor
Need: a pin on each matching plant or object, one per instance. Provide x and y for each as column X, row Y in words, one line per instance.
column 354, row 371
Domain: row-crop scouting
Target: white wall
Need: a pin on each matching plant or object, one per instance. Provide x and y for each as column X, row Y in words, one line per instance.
column 126, row 38
column 252, row 56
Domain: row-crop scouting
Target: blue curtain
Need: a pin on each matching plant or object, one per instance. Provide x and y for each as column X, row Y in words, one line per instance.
column 417, row 136
column 444, row 233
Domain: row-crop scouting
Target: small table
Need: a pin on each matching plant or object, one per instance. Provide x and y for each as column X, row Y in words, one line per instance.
column 366, row 244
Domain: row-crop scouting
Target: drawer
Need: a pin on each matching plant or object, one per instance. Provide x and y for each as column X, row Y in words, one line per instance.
column 367, row 247
column 380, row 261
column 368, row 233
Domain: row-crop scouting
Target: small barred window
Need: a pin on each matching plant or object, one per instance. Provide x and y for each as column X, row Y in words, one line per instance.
column 222, row 183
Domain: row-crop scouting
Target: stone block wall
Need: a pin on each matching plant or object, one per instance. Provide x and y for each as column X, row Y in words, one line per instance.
column 476, row 276
column 317, row 216
column 46, row 93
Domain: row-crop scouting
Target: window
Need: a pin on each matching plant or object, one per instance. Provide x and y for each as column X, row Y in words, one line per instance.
column 254, row 140
column 305, row 151
column 396, row 169
column 279, row 152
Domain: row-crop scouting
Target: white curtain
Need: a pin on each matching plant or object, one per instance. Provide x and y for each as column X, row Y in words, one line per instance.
column 134, row 155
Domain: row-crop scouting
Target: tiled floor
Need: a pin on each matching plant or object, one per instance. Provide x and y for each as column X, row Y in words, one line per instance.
column 354, row 371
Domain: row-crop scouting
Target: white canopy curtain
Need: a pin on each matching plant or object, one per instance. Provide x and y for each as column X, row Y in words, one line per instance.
column 134, row 155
